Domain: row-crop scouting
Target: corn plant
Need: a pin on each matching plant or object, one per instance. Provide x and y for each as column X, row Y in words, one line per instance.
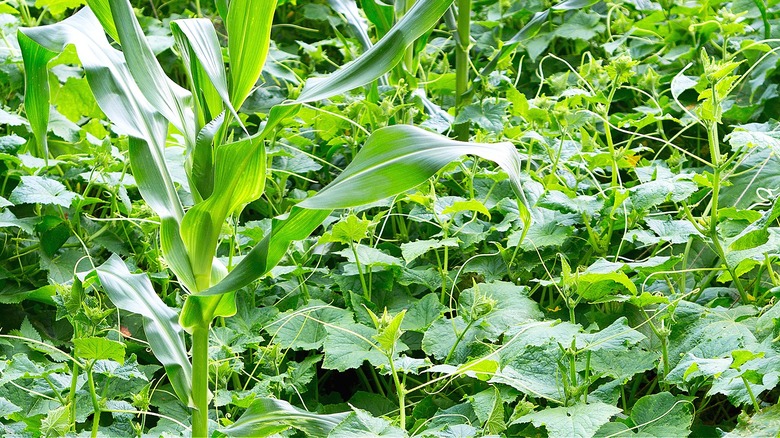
column 224, row 173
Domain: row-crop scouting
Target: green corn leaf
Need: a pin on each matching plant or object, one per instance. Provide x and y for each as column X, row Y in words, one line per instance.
column 202, row 56
column 348, row 8
column 168, row 98
column 239, row 178
column 393, row 160
column 115, row 91
column 122, row 101
column 134, row 293
column 267, row 416
column 102, row 11
column 380, row 58
column 249, row 32
column 36, row 89
column 398, row 158
column 202, row 157
column 298, row 225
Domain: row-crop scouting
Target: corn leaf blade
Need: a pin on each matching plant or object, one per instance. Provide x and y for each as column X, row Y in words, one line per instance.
column 267, row 416
column 134, row 293
column 393, row 160
column 380, row 58
column 36, row 89
column 168, row 98
column 249, row 32
column 122, row 101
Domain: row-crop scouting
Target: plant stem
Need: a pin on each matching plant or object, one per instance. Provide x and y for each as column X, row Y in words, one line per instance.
column 712, row 137
column 200, row 380
column 95, row 402
column 366, row 290
column 462, row 64
column 72, row 395
column 400, row 391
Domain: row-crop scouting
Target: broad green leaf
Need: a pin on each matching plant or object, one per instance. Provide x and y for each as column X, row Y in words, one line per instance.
column 380, row 58
column 41, row 190
column 369, row 256
column 248, row 26
column 412, row 250
column 660, row 415
column 348, row 230
column 708, row 333
column 36, row 90
column 99, row 348
column 489, row 408
column 763, row 423
column 7, row 408
column 349, row 345
column 468, row 205
column 487, row 115
column 306, row 328
column 581, row 26
column 361, row 424
column 267, row 416
column 577, row 421
column 617, row 337
column 485, row 311
column 422, row 313
column 394, row 159
column 57, row 7
column 134, row 293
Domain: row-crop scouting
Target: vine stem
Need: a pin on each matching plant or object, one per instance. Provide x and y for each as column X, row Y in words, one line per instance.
column 200, row 380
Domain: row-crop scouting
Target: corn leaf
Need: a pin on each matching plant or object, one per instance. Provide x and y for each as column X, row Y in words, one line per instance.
column 393, row 160
column 397, row 158
column 249, row 32
column 380, row 58
column 36, row 89
column 266, row 254
column 199, row 48
column 134, row 293
column 122, row 101
column 267, row 416
column 239, row 179
column 168, row 98
column 102, row 12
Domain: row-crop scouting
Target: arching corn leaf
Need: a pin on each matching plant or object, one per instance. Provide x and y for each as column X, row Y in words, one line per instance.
column 393, row 160
column 380, row 58
column 167, row 97
column 134, row 293
column 122, row 101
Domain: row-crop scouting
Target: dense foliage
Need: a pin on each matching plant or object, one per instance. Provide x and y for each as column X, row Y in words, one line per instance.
column 600, row 260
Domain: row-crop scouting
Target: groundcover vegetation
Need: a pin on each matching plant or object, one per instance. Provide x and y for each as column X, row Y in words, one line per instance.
column 441, row 218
